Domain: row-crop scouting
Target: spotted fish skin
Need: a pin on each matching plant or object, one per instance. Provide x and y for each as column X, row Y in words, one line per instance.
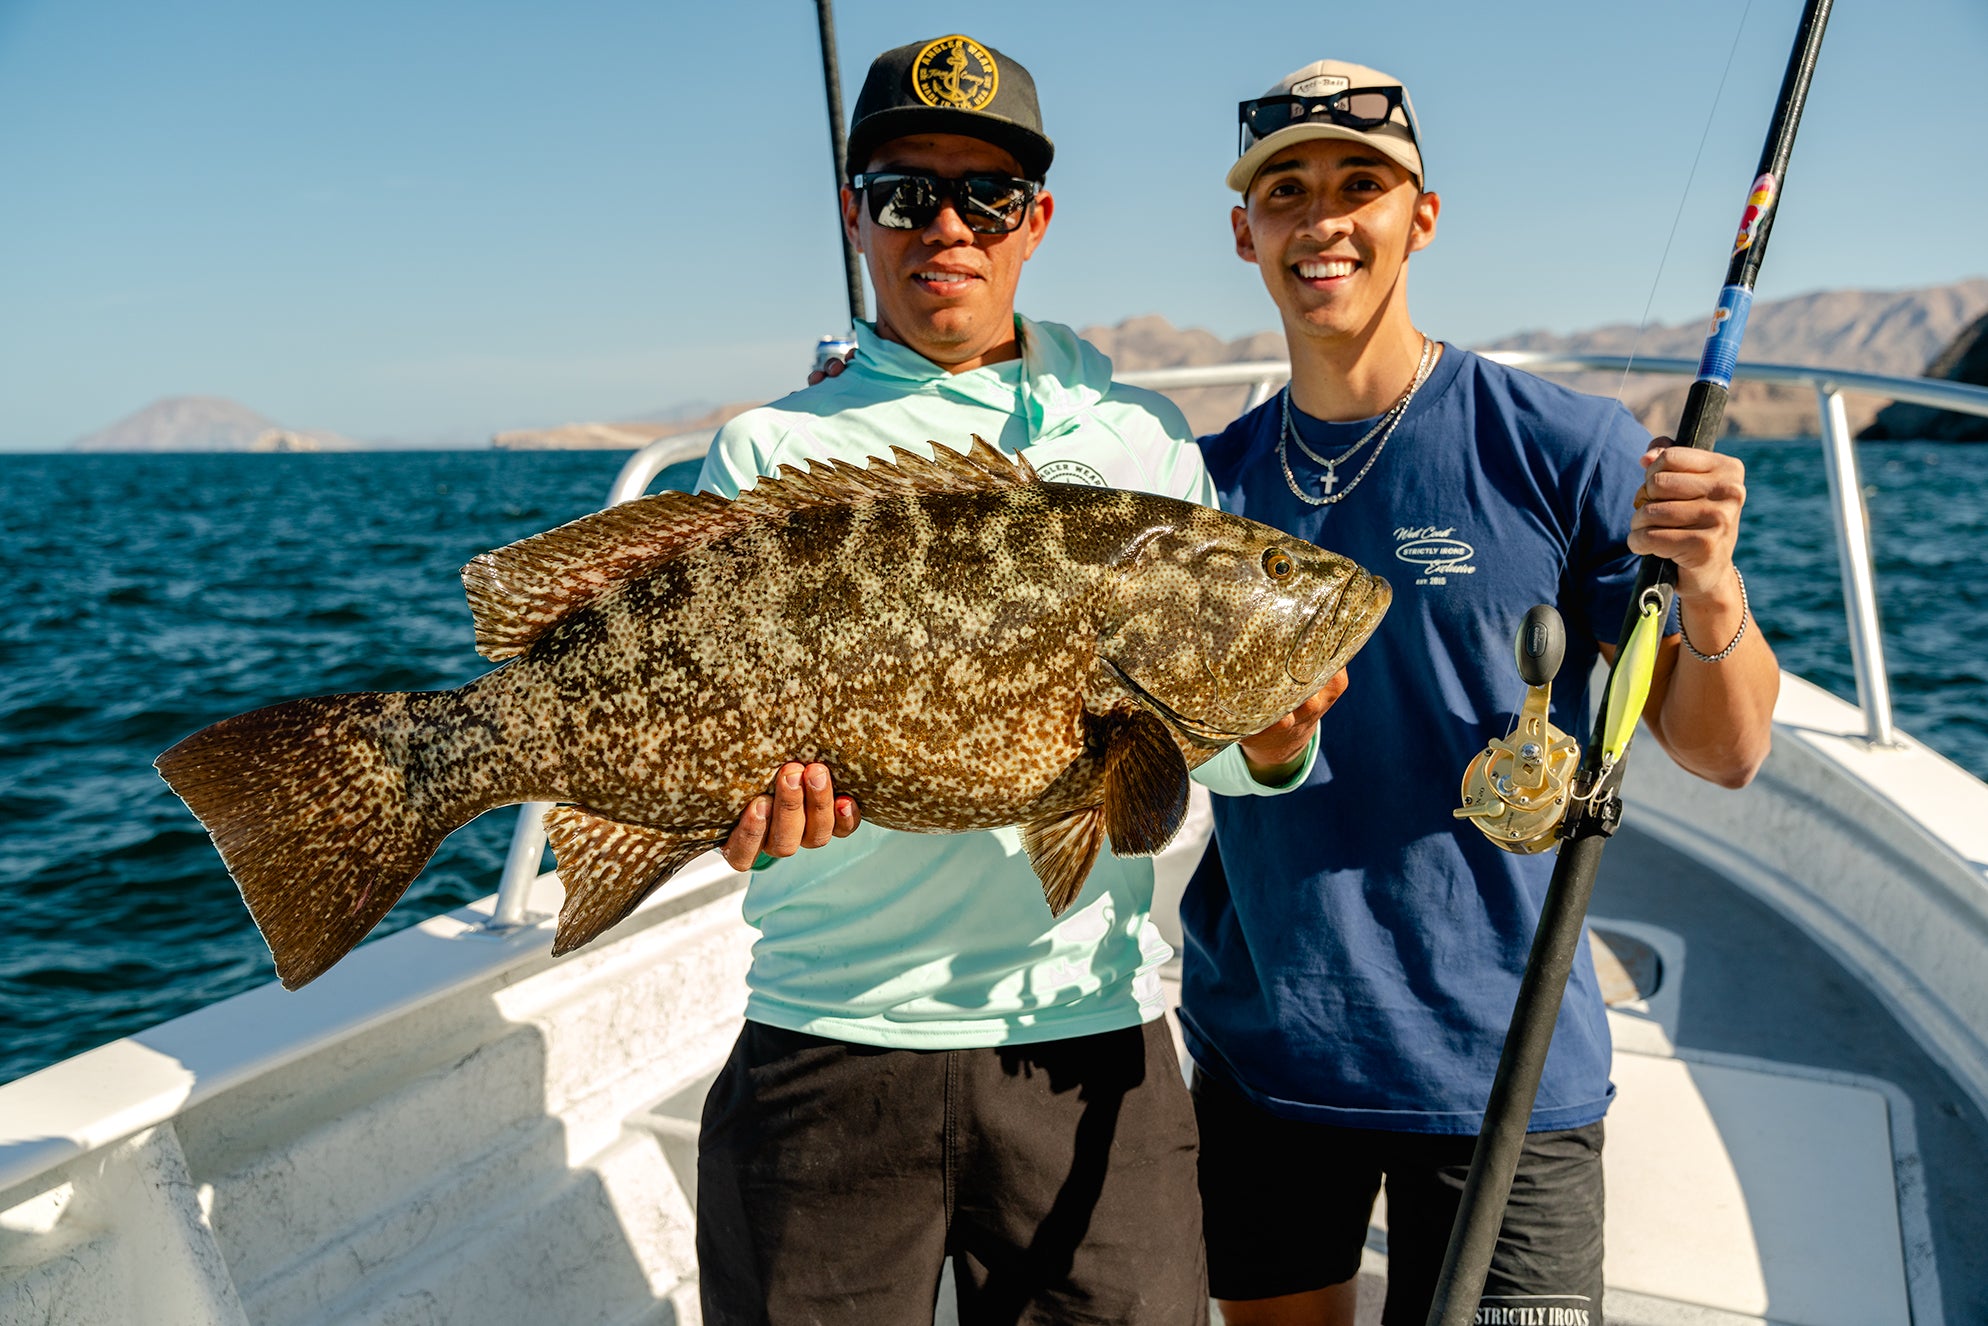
column 964, row 645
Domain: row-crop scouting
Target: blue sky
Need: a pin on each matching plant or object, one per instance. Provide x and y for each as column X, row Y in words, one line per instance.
column 428, row 221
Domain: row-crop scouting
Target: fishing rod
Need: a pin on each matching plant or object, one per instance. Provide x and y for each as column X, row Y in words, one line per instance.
column 1518, row 792
column 831, row 80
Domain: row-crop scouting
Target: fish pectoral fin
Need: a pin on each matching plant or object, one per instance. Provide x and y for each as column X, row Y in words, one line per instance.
column 1062, row 850
column 1145, row 785
column 608, row 867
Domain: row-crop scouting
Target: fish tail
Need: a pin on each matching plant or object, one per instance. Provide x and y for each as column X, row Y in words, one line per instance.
column 324, row 810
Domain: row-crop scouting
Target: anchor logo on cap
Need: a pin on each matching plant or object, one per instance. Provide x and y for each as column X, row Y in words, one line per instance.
column 955, row 72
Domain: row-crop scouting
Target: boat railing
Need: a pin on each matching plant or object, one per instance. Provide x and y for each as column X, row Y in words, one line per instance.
column 1262, row 377
column 522, row 862
column 1846, row 493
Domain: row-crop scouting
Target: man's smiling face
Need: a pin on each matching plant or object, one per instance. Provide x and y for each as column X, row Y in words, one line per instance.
column 943, row 290
column 1331, row 224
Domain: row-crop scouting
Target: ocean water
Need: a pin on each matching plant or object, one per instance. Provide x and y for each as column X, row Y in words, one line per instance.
column 147, row 596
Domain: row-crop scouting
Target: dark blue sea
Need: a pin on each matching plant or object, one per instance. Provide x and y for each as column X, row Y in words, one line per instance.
column 147, row 596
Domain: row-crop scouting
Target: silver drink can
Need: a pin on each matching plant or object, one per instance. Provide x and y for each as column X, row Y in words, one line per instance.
column 830, row 348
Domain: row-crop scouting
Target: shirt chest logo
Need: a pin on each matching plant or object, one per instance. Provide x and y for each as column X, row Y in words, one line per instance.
column 1435, row 551
column 1070, row 471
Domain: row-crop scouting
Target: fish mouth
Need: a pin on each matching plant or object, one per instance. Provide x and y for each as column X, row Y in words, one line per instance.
column 1335, row 633
column 1192, row 726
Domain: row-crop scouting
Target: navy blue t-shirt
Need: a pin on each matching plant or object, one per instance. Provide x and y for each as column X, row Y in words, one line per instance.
column 1354, row 958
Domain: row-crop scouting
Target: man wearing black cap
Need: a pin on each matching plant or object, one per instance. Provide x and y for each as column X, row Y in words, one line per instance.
column 1353, row 956
column 932, row 1066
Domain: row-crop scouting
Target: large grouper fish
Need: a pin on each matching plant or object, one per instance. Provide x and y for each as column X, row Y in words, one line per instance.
column 965, row 645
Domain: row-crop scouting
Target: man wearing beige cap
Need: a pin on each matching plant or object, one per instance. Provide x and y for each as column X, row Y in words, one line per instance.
column 1353, row 956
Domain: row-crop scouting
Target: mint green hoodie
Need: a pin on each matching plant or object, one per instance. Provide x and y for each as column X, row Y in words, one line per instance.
column 943, row 941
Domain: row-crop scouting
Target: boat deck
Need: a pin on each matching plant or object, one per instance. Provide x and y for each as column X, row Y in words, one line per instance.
column 1779, row 1146
column 454, row 1126
column 1756, row 993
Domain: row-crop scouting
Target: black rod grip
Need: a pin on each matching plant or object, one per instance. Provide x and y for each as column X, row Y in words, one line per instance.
column 1481, row 1211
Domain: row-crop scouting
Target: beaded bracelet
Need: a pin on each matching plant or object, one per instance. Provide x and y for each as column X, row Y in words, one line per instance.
column 1737, row 635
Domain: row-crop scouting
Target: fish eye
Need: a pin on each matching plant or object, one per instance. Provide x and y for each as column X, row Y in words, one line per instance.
column 1277, row 564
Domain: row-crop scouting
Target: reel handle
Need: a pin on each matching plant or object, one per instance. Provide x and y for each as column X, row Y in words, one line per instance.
column 1517, row 789
column 1541, row 645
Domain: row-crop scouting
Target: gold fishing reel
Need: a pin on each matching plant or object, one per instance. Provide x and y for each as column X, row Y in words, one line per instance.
column 1516, row 790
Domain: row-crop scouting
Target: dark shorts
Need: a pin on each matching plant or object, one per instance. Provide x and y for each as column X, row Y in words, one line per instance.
column 1286, row 1206
column 833, row 1180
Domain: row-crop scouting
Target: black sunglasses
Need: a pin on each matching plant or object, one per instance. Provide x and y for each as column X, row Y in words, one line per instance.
column 910, row 200
column 1354, row 108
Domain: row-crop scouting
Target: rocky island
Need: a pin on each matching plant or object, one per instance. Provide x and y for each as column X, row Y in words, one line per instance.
column 1966, row 360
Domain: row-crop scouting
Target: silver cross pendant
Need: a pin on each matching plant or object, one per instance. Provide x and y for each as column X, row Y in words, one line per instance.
column 1327, row 480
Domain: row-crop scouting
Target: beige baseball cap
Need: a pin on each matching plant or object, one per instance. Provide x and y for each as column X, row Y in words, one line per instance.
column 1319, row 90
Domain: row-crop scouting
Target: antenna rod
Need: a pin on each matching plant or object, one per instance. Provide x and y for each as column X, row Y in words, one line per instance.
column 831, row 80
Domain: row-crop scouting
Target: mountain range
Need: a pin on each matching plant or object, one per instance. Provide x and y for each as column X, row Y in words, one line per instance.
column 1895, row 332
column 625, row 436
column 207, row 423
column 1898, row 332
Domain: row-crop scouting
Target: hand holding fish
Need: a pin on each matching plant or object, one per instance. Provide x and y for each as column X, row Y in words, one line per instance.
column 1274, row 753
column 1688, row 510
column 802, row 811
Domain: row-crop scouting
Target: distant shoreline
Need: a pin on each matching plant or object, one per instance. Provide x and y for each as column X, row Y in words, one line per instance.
column 1903, row 333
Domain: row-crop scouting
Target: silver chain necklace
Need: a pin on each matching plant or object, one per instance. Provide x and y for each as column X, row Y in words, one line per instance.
column 1384, row 428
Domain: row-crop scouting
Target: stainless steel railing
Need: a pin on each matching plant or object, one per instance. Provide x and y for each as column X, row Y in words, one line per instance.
column 1846, row 492
column 1851, row 519
column 1846, row 489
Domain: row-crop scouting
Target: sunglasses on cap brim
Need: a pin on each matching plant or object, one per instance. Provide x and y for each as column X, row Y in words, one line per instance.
column 1354, row 108
column 910, row 200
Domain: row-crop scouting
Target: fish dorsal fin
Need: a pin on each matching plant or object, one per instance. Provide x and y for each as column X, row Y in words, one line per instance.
column 518, row 592
column 903, row 473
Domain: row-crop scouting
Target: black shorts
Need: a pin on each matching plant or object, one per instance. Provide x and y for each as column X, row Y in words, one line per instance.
column 1286, row 1206
column 833, row 1180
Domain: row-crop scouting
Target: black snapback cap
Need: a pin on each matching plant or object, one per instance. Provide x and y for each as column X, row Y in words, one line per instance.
column 952, row 85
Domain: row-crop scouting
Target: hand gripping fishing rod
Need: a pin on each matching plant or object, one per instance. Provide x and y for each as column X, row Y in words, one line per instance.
column 1593, row 805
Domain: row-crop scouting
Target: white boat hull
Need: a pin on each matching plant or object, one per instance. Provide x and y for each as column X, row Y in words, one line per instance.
column 453, row 1126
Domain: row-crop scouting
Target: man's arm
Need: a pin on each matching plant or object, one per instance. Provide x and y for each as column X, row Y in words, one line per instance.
column 736, row 460
column 1277, row 755
column 1714, row 719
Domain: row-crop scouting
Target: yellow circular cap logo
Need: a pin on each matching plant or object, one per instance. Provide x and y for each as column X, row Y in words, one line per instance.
column 955, row 72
